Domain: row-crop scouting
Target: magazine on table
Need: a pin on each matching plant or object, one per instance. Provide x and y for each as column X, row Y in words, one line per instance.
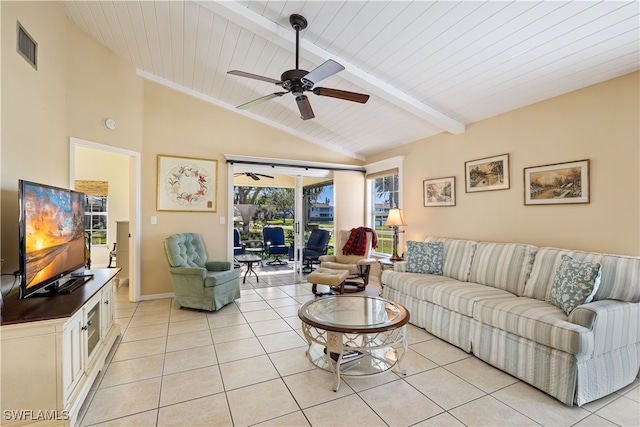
column 347, row 355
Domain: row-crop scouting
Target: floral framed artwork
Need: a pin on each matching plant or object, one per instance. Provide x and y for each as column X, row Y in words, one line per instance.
column 440, row 191
column 491, row 173
column 187, row 184
column 556, row 184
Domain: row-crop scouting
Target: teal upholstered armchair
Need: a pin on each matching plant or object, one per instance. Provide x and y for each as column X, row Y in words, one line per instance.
column 198, row 283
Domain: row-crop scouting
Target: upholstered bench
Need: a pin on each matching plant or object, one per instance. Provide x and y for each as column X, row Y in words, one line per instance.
column 329, row 277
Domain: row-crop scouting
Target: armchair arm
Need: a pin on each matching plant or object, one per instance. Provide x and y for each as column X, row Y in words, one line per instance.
column 615, row 324
column 327, row 258
column 189, row 271
column 217, row 265
column 367, row 261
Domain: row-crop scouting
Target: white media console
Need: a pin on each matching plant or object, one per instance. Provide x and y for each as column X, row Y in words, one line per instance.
column 52, row 349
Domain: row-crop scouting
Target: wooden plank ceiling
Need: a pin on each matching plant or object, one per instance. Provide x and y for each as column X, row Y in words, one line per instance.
column 430, row 67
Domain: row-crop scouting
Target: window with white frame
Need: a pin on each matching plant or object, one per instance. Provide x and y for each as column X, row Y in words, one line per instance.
column 385, row 194
column 95, row 210
column 95, row 219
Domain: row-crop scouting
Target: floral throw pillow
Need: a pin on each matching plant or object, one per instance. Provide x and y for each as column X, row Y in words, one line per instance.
column 575, row 283
column 425, row 257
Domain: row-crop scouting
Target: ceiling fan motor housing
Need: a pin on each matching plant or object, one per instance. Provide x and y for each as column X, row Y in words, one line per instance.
column 292, row 80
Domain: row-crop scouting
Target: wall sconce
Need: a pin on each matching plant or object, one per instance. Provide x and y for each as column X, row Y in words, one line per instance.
column 395, row 220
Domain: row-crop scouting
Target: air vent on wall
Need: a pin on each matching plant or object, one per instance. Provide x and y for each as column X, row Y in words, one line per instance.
column 27, row 47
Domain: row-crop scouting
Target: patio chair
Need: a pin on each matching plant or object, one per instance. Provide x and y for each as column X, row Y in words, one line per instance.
column 238, row 246
column 316, row 246
column 275, row 245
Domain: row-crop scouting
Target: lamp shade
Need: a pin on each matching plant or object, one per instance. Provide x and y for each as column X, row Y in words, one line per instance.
column 395, row 218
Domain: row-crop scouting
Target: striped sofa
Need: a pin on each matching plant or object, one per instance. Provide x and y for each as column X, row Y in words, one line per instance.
column 493, row 301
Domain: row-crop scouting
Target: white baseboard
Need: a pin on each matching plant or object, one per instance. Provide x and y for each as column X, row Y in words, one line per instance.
column 157, row 296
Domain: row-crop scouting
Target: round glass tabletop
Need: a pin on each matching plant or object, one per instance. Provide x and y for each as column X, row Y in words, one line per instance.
column 353, row 313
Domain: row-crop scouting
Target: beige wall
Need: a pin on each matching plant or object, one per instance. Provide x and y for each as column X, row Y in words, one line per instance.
column 179, row 125
column 349, row 209
column 77, row 85
column 600, row 123
column 34, row 137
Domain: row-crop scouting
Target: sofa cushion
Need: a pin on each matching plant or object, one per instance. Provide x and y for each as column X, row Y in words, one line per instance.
column 423, row 257
column 441, row 290
column 618, row 280
column 502, row 265
column 412, row 283
column 574, row 284
column 459, row 296
column 457, row 256
column 537, row 321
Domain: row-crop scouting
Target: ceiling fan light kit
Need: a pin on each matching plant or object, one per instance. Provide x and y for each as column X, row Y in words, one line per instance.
column 298, row 81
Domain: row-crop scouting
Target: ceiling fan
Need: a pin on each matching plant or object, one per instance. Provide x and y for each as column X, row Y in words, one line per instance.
column 253, row 176
column 298, row 81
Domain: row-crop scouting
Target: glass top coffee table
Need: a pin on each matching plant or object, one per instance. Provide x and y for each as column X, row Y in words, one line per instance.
column 353, row 335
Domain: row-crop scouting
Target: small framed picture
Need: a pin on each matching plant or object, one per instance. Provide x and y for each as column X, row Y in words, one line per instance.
column 187, row 184
column 491, row 173
column 556, row 184
column 440, row 191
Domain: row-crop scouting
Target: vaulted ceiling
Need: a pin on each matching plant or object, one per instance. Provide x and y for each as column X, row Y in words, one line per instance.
column 429, row 66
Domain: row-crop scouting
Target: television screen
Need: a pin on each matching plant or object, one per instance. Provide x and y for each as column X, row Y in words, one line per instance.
column 51, row 235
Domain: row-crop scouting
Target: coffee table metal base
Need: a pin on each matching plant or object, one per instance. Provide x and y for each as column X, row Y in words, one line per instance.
column 379, row 353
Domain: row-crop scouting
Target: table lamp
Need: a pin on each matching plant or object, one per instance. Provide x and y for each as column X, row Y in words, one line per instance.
column 395, row 220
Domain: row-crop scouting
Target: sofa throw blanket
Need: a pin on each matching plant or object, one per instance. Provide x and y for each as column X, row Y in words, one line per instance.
column 357, row 243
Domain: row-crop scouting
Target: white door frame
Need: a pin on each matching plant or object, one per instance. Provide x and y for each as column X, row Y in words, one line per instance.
column 134, row 205
column 298, row 173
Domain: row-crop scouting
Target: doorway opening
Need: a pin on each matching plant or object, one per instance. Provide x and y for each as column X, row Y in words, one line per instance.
column 296, row 204
column 125, row 176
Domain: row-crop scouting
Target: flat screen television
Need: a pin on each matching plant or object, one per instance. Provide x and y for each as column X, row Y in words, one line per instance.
column 51, row 235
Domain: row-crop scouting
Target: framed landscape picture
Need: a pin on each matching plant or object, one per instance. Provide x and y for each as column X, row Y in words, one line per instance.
column 440, row 191
column 491, row 173
column 187, row 184
column 555, row 184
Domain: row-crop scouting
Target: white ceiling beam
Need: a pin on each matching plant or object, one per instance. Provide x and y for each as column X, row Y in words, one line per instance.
column 282, row 37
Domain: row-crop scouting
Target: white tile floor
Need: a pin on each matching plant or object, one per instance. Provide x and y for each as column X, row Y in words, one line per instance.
column 246, row 365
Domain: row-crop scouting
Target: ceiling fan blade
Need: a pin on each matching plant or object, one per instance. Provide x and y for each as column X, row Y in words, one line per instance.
column 260, row 100
column 341, row 94
column 266, row 176
column 304, row 106
column 253, row 176
column 253, row 76
column 324, row 70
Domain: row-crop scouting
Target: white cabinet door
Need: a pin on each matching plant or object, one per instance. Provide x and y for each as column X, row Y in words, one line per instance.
column 107, row 309
column 73, row 349
column 92, row 330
